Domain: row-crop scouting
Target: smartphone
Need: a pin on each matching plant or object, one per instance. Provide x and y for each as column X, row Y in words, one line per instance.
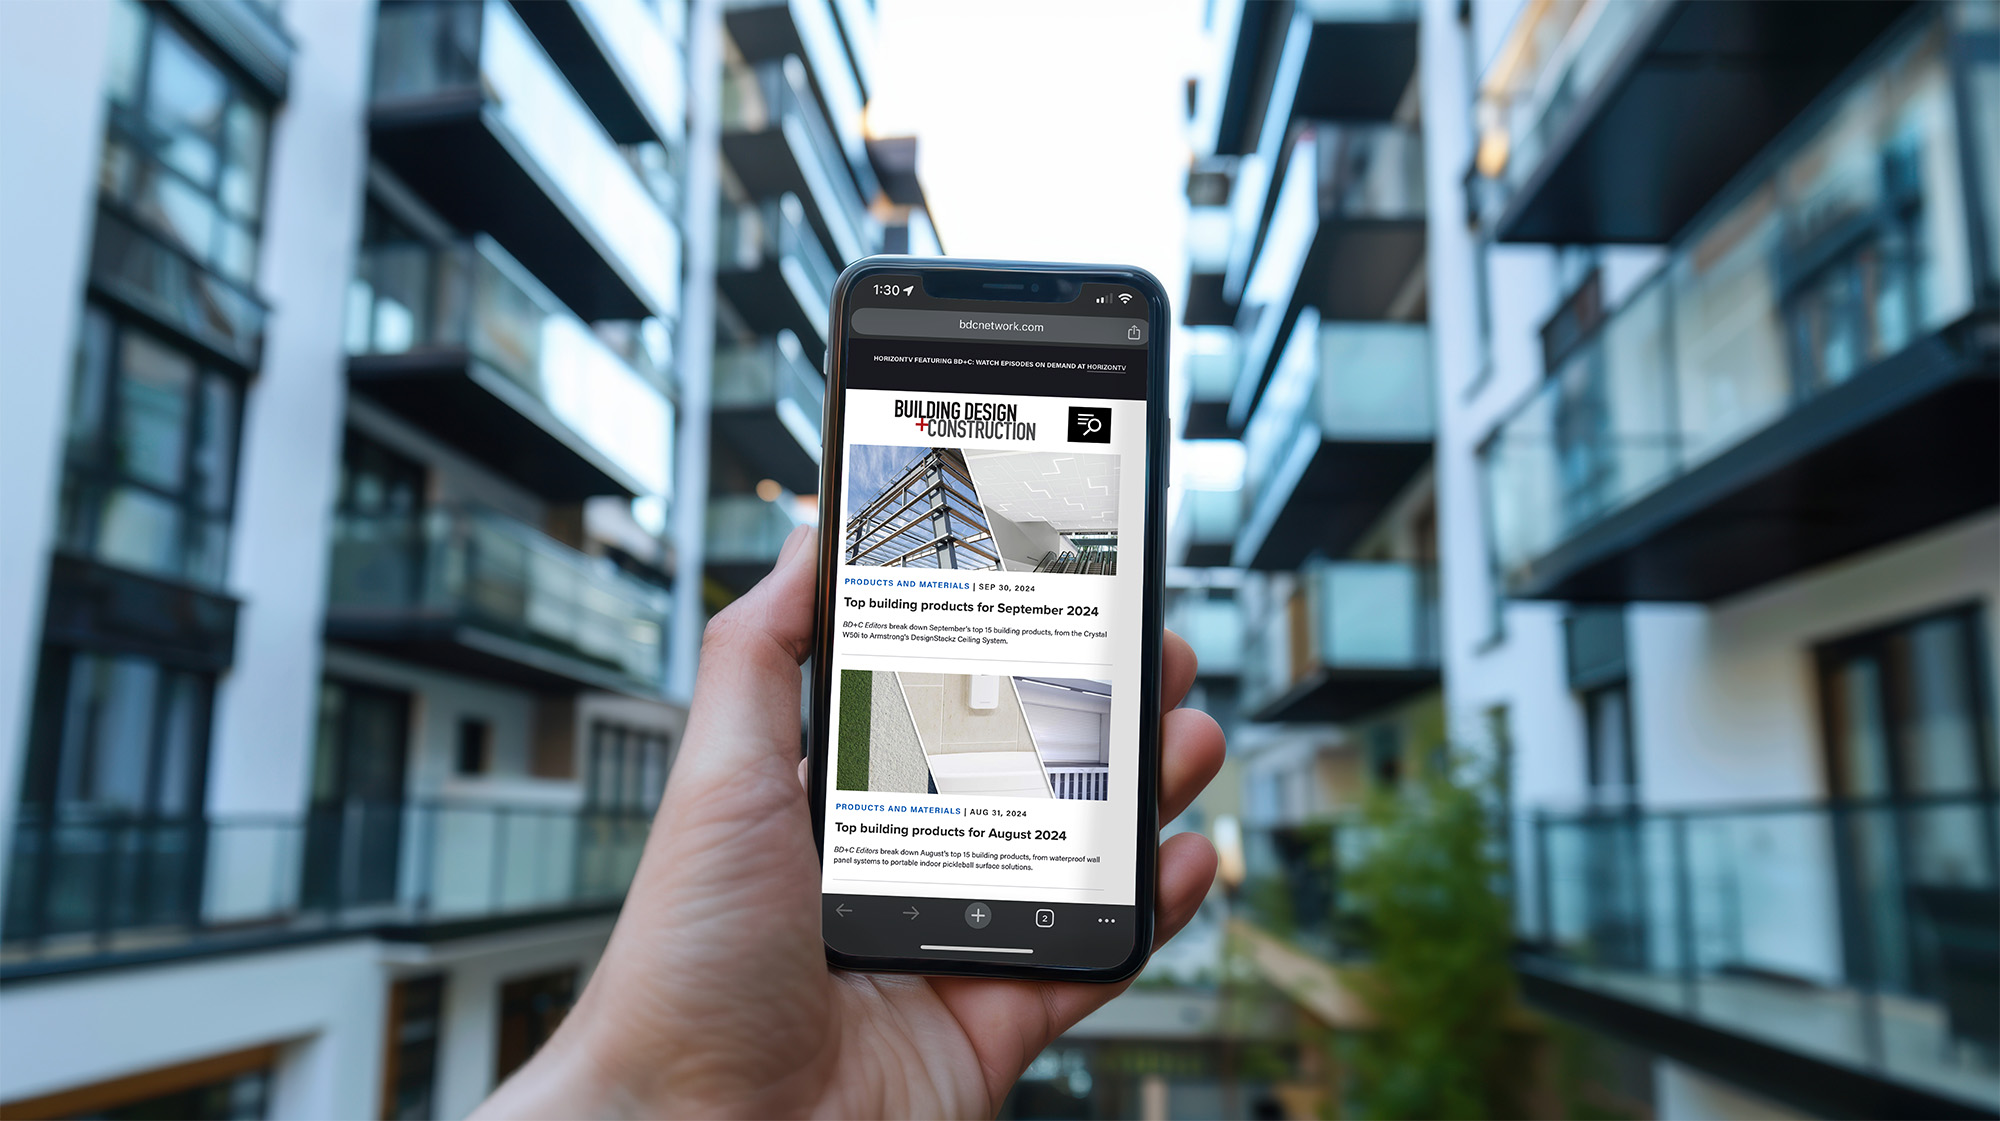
column 984, row 730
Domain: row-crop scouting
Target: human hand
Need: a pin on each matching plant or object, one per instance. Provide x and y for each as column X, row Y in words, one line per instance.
column 713, row 997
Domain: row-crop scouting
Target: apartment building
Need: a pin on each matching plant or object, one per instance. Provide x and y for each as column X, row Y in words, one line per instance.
column 359, row 356
column 1708, row 473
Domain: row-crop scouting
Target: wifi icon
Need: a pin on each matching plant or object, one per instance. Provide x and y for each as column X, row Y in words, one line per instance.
column 1124, row 297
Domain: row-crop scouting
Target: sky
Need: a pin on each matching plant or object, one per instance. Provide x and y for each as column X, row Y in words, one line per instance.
column 1046, row 130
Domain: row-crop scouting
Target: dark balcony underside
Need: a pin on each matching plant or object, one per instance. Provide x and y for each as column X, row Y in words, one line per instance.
column 1690, row 101
column 1205, row 305
column 465, row 165
column 1354, row 271
column 98, row 607
column 768, row 447
column 1356, row 71
column 768, row 166
column 449, row 644
column 559, row 27
column 1329, row 502
column 1903, row 447
column 766, row 301
column 491, row 418
column 1332, row 695
column 1819, row 1088
column 1208, row 554
column 1207, row 420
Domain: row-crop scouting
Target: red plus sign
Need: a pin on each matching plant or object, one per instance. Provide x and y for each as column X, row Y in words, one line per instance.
column 924, row 424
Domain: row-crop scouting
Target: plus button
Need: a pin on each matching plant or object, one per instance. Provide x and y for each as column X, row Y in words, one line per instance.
column 978, row 915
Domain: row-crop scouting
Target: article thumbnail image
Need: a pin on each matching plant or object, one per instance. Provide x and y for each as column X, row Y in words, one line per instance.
column 1049, row 511
column 990, row 735
column 913, row 508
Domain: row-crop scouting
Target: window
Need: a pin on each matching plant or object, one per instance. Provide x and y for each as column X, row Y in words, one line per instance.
column 628, row 767
column 416, row 1020
column 185, row 147
column 150, row 478
column 1612, row 765
column 530, row 1010
column 475, row 746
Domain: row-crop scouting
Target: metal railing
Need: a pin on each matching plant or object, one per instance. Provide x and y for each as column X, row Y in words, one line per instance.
column 1341, row 615
column 492, row 572
column 928, row 517
column 84, row 885
column 412, row 296
column 1850, row 240
column 428, row 49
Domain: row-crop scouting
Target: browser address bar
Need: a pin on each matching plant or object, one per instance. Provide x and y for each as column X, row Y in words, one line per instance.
column 914, row 323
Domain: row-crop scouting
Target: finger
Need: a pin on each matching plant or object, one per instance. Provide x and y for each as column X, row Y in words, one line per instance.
column 1191, row 751
column 1009, row 1022
column 1176, row 670
column 750, row 656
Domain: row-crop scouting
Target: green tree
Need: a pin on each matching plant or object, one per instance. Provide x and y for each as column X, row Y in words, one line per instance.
column 1435, row 928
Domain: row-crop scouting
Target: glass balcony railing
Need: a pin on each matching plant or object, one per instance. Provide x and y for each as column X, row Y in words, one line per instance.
column 1214, row 628
column 1844, row 245
column 1338, row 617
column 778, row 95
column 1336, row 171
column 775, row 233
column 83, row 885
column 1334, row 382
column 143, row 269
column 491, row 572
column 774, row 374
column 1559, row 57
column 1208, row 236
column 413, row 296
column 1211, row 366
column 426, row 51
column 1865, row 934
column 745, row 530
column 1204, row 526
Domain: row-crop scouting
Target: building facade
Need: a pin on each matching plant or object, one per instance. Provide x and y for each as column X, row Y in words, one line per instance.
column 1615, row 387
column 361, row 355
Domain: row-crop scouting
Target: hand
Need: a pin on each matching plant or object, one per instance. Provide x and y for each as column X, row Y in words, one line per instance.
column 714, row 998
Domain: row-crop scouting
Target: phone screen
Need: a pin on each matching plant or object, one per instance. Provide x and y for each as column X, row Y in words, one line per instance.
column 984, row 733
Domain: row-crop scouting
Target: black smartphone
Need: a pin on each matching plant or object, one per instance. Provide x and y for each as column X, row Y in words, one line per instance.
column 984, row 732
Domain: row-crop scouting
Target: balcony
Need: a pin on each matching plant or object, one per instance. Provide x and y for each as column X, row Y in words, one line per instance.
column 1341, row 641
column 767, row 404
column 777, row 141
column 1208, row 234
column 142, row 272
column 620, row 60
column 100, row 607
column 1751, row 413
column 1210, row 368
column 1344, row 236
column 1214, row 628
column 1204, row 526
column 86, row 891
column 1334, row 59
column 744, row 536
column 250, row 33
column 1344, row 429
column 1618, row 121
column 773, row 271
column 479, row 593
column 469, row 111
column 1842, row 957
column 461, row 341
column 768, row 30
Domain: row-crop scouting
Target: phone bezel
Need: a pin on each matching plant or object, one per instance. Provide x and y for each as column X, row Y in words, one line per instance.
column 958, row 273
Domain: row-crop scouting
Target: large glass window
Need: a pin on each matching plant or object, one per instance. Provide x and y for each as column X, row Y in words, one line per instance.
column 184, row 151
column 151, row 478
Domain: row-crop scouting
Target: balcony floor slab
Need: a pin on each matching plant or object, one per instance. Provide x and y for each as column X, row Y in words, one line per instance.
column 1325, row 500
column 1332, row 694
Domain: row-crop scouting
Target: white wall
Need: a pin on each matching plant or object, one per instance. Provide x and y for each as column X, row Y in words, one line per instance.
column 52, row 60
column 68, row 1032
column 261, row 749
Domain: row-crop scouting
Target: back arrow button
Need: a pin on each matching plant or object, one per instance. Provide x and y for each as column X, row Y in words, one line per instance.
column 840, row 909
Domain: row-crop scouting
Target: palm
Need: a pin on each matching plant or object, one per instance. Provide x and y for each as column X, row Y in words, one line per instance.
column 714, row 995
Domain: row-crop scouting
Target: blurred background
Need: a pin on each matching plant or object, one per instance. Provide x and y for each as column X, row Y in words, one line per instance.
column 1585, row 514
